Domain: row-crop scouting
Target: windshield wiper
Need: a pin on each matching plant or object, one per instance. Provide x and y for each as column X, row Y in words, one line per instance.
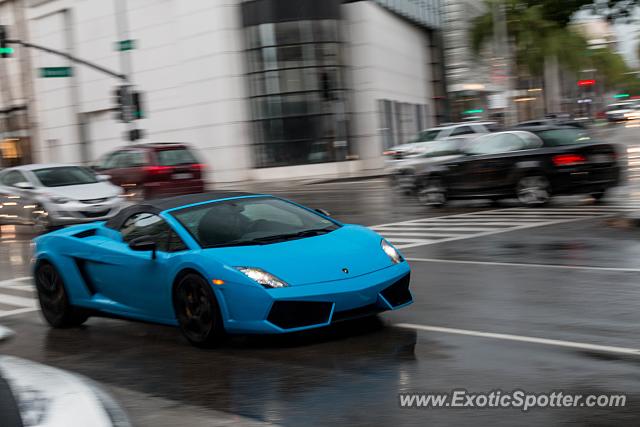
column 291, row 236
column 275, row 238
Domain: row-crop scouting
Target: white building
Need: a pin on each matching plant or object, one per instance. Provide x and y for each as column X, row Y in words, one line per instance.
column 264, row 89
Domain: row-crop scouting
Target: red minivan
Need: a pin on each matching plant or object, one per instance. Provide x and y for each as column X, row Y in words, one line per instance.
column 151, row 171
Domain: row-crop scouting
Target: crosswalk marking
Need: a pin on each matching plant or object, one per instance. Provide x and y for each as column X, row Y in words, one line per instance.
column 17, row 296
column 429, row 231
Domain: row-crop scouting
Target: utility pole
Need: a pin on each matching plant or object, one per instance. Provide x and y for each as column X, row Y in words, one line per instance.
column 126, row 68
column 502, row 53
column 26, row 70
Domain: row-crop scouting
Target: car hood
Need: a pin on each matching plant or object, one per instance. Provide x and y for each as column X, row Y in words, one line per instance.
column 313, row 259
column 99, row 190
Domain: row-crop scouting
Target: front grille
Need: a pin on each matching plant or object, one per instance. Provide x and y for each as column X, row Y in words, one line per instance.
column 298, row 314
column 398, row 293
column 367, row 310
column 94, row 214
column 94, row 201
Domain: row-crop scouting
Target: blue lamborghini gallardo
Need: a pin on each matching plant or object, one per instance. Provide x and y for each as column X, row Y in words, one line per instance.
column 217, row 263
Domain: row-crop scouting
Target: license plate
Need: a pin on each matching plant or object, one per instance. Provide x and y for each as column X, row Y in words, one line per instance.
column 182, row 176
column 601, row 158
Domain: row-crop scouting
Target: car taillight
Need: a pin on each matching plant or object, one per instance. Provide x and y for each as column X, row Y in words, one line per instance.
column 157, row 170
column 568, row 159
column 197, row 166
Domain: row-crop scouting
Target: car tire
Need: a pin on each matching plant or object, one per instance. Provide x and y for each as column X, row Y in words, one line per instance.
column 433, row 193
column 53, row 298
column 197, row 311
column 41, row 220
column 533, row 190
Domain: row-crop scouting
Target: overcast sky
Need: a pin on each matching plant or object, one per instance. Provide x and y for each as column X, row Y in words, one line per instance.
column 628, row 36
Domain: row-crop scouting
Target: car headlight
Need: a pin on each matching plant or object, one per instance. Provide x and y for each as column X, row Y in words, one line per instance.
column 260, row 276
column 60, row 200
column 391, row 252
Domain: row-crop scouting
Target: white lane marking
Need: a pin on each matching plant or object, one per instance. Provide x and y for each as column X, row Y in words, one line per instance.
column 17, row 279
column 522, row 338
column 15, row 312
column 489, row 221
column 407, row 240
column 18, row 301
column 5, row 333
column 505, row 230
column 400, row 233
column 436, row 217
column 517, row 264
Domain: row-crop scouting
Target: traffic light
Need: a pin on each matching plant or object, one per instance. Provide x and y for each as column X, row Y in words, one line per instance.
column 5, row 50
column 138, row 106
column 621, row 96
column 588, row 82
column 121, row 93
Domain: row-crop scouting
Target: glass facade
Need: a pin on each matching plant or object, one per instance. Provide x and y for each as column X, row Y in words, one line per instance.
column 297, row 92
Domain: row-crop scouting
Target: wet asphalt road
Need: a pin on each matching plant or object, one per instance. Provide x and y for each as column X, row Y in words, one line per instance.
column 566, row 274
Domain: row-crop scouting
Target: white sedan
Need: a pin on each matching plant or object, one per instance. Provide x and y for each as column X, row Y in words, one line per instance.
column 54, row 195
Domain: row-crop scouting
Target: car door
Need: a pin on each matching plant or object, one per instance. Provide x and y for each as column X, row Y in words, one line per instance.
column 133, row 282
column 14, row 201
column 487, row 166
column 131, row 169
column 112, row 166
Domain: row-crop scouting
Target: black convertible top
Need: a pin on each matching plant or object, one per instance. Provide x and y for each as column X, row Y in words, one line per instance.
column 158, row 205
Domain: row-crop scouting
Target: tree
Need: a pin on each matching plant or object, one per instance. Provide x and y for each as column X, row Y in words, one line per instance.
column 534, row 38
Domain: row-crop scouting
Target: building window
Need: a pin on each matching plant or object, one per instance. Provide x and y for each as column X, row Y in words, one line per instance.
column 297, row 92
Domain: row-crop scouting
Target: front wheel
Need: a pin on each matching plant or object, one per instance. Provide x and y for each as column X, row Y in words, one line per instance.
column 533, row 190
column 433, row 193
column 54, row 302
column 197, row 311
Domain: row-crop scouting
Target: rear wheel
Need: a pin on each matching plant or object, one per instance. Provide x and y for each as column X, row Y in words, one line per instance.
column 197, row 311
column 533, row 190
column 54, row 302
column 433, row 193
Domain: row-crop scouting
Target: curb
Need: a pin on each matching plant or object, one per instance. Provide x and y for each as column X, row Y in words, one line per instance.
column 347, row 179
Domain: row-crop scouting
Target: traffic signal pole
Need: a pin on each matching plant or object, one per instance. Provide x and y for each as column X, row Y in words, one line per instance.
column 122, row 23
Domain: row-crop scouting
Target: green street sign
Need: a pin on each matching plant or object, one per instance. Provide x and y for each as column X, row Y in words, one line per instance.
column 478, row 111
column 124, row 45
column 621, row 96
column 7, row 51
column 56, row 72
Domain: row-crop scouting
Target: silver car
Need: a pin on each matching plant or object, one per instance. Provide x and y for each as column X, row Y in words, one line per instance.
column 54, row 195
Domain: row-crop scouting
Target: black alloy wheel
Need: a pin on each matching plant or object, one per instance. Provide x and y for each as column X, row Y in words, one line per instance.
column 54, row 302
column 533, row 190
column 197, row 311
column 433, row 193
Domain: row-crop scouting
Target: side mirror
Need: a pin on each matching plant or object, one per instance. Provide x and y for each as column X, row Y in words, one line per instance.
column 103, row 178
column 24, row 185
column 323, row 212
column 144, row 244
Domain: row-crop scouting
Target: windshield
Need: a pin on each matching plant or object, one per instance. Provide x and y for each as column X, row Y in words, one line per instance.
column 559, row 137
column 440, row 148
column 427, row 135
column 614, row 107
column 250, row 221
column 64, row 176
column 175, row 157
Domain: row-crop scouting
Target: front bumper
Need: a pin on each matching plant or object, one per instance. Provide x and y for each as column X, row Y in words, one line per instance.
column 304, row 307
column 79, row 213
